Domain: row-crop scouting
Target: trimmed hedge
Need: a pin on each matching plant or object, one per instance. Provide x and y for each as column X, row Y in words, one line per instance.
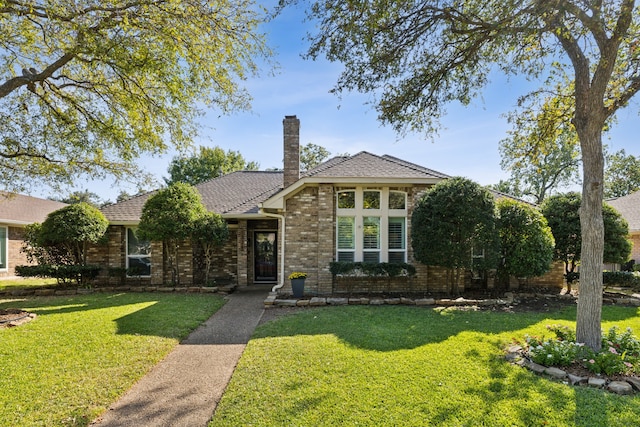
column 371, row 269
column 80, row 274
column 621, row 278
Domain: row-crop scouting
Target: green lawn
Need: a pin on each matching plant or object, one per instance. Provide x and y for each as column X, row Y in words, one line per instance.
column 30, row 282
column 410, row 366
column 82, row 352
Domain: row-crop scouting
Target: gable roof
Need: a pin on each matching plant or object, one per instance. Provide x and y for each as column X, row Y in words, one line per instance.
column 22, row 210
column 367, row 165
column 629, row 208
column 361, row 168
column 237, row 193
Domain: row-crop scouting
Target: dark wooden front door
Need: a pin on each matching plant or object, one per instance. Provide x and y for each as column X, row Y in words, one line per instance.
column 265, row 256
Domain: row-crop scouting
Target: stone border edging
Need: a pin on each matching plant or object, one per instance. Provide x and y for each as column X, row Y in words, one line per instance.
column 631, row 385
column 224, row 290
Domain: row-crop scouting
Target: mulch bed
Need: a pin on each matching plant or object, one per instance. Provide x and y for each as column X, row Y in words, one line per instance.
column 14, row 317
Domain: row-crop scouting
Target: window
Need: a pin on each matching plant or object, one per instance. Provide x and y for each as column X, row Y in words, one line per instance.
column 4, row 243
column 397, row 200
column 346, row 239
column 371, row 239
column 397, row 239
column 138, row 255
column 347, row 199
column 371, row 225
column 371, row 200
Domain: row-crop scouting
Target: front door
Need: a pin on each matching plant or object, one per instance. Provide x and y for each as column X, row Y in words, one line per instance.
column 265, row 256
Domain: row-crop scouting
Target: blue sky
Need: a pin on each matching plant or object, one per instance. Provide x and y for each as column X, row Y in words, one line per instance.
column 466, row 146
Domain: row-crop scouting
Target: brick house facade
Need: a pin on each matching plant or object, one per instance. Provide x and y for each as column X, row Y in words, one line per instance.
column 348, row 208
column 16, row 212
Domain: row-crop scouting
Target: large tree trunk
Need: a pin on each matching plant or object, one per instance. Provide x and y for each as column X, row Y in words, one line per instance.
column 588, row 328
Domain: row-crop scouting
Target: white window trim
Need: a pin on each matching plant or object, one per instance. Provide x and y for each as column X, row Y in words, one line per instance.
column 6, row 248
column 127, row 256
column 383, row 213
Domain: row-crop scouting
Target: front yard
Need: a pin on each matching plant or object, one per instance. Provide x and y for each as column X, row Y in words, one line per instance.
column 410, row 366
column 82, row 352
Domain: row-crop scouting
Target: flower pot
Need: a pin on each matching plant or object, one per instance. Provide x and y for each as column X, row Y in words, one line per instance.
column 297, row 286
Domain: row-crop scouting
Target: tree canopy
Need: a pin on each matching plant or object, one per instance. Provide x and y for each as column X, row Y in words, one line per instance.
column 169, row 216
column 208, row 163
column 541, row 152
column 415, row 57
column 562, row 213
column 87, row 87
column 210, row 231
column 311, row 155
column 71, row 228
column 526, row 241
column 622, row 174
column 452, row 219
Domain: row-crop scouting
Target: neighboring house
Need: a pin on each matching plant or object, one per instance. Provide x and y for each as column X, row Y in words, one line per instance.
column 629, row 208
column 350, row 208
column 17, row 211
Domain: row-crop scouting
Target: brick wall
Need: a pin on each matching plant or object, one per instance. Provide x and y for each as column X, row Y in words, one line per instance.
column 14, row 253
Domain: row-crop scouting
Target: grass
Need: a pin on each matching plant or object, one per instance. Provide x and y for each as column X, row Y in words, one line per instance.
column 27, row 282
column 81, row 353
column 410, row 366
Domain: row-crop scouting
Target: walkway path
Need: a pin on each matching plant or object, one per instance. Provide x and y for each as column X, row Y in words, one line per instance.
column 185, row 388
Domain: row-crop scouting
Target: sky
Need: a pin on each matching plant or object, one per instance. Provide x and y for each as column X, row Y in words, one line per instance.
column 467, row 144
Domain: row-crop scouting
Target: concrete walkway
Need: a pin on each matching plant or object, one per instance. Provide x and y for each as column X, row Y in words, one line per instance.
column 185, row 388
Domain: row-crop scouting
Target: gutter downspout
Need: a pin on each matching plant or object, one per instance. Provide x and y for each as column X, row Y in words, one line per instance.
column 280, row 217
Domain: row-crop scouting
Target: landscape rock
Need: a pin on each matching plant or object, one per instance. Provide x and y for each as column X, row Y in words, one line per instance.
column 620, row 387
column 597, row 382
column 317, row 301
column 337, row 301
column 425, row 301
column 555, row 372
column 577, row 380
column 635, row 383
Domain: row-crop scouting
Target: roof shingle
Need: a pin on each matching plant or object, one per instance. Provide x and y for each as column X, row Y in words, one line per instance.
column 20, row 209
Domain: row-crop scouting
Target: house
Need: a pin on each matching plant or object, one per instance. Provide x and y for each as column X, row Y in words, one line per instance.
column 16, row 212
column 629, row 208
column 349, row 208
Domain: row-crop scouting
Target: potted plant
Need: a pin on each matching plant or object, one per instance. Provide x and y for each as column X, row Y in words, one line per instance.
column 297, row 283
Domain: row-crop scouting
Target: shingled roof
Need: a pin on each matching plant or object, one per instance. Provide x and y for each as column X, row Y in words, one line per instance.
column 629, row 208
column 240, row 193
column 366, row 165
column 22, row 210
column 237, row 193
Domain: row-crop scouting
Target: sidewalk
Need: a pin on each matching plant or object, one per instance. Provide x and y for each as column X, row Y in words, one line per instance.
column 185, row 388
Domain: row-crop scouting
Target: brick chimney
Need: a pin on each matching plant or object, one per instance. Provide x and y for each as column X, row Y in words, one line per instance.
column 291, row 125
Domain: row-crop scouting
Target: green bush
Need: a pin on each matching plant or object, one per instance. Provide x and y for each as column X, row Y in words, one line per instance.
column 80, row 274
column 620, row 352
column 621, row 278
column 371, row 269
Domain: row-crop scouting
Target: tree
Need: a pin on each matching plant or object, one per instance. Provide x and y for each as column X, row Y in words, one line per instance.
column 210, row 232
column 526, row 241
column 169, row 216
column 311, row 155
column 105, row 82
column 451, row 219
column 622, row 175
column 417, row 56
column 562, row 213
column 68, row 231
column 85, row 196
column 542, row 151
column 207, row 164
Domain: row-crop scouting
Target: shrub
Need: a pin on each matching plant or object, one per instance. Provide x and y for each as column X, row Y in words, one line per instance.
column 79, row 274
column 371, row 269
column 620, row 351
column 621, row 278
